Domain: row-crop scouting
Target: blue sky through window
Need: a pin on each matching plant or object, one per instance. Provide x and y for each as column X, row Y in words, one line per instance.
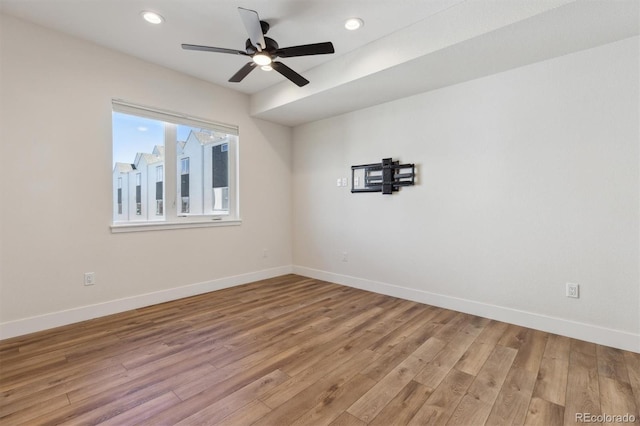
column 132, row 134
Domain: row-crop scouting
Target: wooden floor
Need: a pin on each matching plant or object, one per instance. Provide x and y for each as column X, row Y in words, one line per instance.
column 293, row 350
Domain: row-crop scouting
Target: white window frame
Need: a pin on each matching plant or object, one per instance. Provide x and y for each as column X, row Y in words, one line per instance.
column 173, row 218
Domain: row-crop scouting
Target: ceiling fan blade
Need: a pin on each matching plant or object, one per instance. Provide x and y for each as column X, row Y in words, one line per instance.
column 243, row 72
column 213, row 49
column 306, row 49
column 289, row 73
column 251, row 22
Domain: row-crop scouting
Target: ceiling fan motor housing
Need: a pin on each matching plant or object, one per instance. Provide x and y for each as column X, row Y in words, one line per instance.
column 265, row 26
column 271, row 48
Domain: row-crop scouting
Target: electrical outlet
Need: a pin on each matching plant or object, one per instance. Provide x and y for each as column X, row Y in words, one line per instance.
column 573, row 290
column 345, row 257
column 89, row 278
column 339, row 182
column 265, row 253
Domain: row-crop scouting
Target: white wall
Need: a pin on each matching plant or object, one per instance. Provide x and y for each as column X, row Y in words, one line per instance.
column 55, row 186
column 528, row 179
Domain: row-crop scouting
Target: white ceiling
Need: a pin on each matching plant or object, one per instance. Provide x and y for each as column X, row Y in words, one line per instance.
column 117, row 24
column 405, row 46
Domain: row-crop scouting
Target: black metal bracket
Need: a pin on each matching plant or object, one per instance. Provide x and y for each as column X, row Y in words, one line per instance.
column 386, row 177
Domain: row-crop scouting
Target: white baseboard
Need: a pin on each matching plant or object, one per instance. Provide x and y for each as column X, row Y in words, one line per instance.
column 577, row 330
column 588, row 332
column 83, row 313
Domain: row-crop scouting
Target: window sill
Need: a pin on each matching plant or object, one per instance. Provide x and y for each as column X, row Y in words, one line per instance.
column 117, row 228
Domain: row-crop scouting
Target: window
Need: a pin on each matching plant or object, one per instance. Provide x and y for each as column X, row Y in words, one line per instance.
column 119, row 196
column 159, row 155
column 220, row 177
column 159, row 190
column 183, row 192
column 139, row 194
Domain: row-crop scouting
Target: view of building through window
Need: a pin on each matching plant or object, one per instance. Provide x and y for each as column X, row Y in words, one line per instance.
column 140, row 171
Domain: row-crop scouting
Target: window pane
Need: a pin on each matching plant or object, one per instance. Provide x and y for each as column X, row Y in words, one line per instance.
column 138, row 160
column 201, row 177
column 202, row 157
column 159, row 190
column 220, row 177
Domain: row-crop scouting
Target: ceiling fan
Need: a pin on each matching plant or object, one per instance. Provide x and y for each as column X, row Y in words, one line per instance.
column 264, row 50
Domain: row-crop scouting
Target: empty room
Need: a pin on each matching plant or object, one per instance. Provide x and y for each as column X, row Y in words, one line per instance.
column 319, row 212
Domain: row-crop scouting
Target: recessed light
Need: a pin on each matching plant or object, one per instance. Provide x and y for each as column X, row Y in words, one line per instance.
column 353, row 24
column 152, row 17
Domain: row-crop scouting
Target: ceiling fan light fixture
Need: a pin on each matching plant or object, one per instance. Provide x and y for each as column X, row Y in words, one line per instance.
column 353, row 24
column 262, row 59
column 152, row 17
column 263, row 50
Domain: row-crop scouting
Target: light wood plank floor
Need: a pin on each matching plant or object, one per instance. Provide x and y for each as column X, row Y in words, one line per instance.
column 298, row 351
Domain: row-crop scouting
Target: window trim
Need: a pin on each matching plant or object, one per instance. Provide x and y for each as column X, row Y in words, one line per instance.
column 125, row 107
column 157, row 225
column 173, row 219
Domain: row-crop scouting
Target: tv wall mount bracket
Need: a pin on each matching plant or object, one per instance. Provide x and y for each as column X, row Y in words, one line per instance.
column 386, row 177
